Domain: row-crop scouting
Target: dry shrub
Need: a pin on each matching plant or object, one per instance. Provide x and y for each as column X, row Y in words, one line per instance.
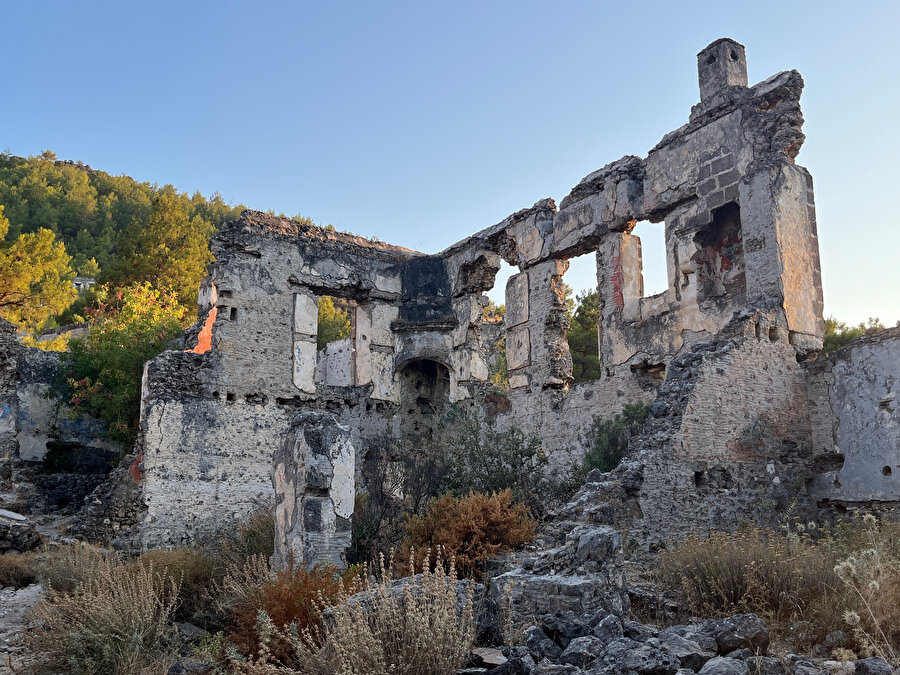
column 194, row 570
column 256, row 537
column 17, row 570
column 65, row 569
column 117, row 621
column 828, row 576
column 872, row 577
column 423, row 626
column 292, row 596
column 471, row 529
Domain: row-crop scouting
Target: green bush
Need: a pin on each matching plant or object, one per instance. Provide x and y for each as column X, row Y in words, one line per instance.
column 104, row 369
column 608, row 439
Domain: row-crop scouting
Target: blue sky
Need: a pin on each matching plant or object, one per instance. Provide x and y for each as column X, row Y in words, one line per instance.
column 423, row 122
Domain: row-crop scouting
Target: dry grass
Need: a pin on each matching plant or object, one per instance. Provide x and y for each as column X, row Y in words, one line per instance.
column 117, row 621
column 471, row 529
column 193, row 570
column 65, row 569
column 420, row 628
column 17, row 570
column 294, row 596
column 871, row 576
column 831, row 577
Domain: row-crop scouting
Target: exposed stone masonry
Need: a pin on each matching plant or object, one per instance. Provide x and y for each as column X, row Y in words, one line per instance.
column 746, row 416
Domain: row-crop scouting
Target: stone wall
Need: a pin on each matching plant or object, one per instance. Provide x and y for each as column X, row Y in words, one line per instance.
column 739, row 424
column 854, row 399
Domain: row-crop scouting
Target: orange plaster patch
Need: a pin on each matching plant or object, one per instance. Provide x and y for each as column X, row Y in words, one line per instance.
column 204, row 340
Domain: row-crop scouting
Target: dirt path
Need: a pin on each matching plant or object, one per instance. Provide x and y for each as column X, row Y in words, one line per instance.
column 13, row 606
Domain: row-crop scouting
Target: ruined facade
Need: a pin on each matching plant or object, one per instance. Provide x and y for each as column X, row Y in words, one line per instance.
column 744, row 420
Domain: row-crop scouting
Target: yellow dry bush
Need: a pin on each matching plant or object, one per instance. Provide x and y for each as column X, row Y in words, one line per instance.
column 422, row 626
column 116, row 622
column 829, row 576
column 471, row 529
column 17, row 569
column 64, row 569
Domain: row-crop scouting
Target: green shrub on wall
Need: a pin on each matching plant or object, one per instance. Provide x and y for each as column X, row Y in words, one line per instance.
column 608, row 438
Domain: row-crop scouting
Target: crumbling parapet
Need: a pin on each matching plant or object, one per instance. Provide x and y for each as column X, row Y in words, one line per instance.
column 313, row 477
column 718, row 353
column 854, row 399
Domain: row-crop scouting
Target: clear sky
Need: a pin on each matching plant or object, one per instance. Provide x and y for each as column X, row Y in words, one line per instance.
column 423, row 122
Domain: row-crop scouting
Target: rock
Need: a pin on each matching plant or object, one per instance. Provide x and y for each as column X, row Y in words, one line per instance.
column 608, row 629
column 874, row 665
column 690, row 654
column 723, row 665
column 489, row 657
column 694, row 634
column 835, row 639
column 556, row 669
column 190, row 666
column 765, row 665
column 740, row 630
column 582, row 651
column 540, row 646
column 516, row 665
column 807, row 668
column 563, row 627
column 639, row 631
column 17, row 533
column 628, row 656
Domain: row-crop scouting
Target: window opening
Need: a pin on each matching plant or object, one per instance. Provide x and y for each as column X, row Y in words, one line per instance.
column 583, row 312
column 654, row 272
column 335, row 345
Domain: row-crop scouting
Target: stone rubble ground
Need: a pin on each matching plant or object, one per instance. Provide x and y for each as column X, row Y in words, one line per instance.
column 14, row 605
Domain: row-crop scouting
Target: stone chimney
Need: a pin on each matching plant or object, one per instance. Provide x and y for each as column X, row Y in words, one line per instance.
column 722, row 64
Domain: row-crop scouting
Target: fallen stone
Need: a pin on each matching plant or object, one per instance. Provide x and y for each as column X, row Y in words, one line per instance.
column 608, row 629
column 582, row 651
column 723, row 665
column 690, row 654
column 17, row 533
column 740, row 630
column 489, row 657
column 874, row 665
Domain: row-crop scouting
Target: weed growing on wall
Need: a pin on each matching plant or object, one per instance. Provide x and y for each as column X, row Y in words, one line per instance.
column 607, row 439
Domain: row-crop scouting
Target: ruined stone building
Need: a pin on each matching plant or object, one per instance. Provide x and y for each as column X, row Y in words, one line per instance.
column 747, row 419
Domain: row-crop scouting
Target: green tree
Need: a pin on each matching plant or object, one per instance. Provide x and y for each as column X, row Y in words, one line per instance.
column 584, row 315
column 35, row 277
column 608, row 439
column 838, row 333
column 334, row 322
column 170, row 250
column 104, row 369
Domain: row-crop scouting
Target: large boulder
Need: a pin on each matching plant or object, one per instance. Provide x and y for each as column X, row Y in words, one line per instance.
column 17, row 533
column 738, row 632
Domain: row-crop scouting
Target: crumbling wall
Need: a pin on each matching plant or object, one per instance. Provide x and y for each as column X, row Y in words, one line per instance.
column 9, row 378
column 855, row 404
column 313, row 477
column 718, row 353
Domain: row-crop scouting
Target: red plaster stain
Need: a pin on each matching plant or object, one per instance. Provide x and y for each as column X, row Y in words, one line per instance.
column 618, row 281
column 204, row 340
column 135, row 469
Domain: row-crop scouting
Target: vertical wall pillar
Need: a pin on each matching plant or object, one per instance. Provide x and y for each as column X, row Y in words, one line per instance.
column 306, row 326
column 313, row 476
column 548, row 327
